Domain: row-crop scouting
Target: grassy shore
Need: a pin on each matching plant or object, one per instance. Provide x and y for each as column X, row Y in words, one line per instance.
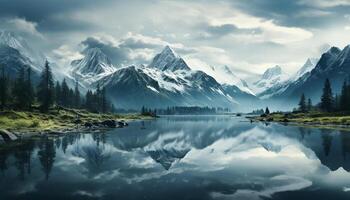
column 315, row 119
column 55, row 120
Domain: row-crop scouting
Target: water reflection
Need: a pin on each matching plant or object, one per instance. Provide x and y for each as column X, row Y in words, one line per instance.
column 181, row 157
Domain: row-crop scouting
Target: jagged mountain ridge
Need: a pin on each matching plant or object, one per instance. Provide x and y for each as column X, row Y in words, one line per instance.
column 92, row 67
column 34, row 58
column 272, row 77
column 16, row 54
column 168, row 60
column 224, row 75
column 333, row 64
column 167, row 81
column 280, row 87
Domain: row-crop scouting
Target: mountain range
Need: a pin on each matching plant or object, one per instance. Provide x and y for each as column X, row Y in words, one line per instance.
column 169, row 81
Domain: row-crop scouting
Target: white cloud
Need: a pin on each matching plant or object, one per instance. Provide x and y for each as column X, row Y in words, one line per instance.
column 21, row 25
column 325, row 3
column 271, row 32
column 65, row 54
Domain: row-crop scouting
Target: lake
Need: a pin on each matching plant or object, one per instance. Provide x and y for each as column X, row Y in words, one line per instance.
column 181, row 157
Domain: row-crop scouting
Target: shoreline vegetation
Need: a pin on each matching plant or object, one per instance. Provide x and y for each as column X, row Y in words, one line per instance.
column 59, row 120
column 333, row 111
column 312, row 119
column 29, row 108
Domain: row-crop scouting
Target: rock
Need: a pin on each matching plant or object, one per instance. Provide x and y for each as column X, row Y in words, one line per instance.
column 285, row 120
column 2, row 140
column 270, row 119
column 7, row 135
column 110, row 123
column 96, row 123
column 78, row 121
column 120, row 124
column 263, row 115
column 125, row 124
column 88, row 124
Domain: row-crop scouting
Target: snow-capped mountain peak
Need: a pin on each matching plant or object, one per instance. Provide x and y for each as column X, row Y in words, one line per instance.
column 307, row 67
column 94, row 65
column 168, row 60
column 272, row 72
column 271, row 77
column 169, row 52
column 11, row 39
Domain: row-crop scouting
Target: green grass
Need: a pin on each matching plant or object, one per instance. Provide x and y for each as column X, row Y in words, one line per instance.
column 36, row 121
column 312, row 118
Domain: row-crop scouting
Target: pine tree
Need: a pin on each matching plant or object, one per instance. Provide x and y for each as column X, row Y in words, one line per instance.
column 344, row 97
column 309, row 104
column 3, row 89
column 64, row 93
column 143, row 110
column 19, row 90
column 70, row 103
column 267, row 111
column 336, row 103
column 88, row 100
column 104, row 102
column 45, row 89
column 29, row 90
column 347, row 107
column 302, row 103
column 327, row 99
column 98, row 98
column 76, row 95
column 58, row 94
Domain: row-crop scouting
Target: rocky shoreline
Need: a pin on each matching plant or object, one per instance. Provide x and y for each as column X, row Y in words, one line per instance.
column 301, row 122
column 93, row 126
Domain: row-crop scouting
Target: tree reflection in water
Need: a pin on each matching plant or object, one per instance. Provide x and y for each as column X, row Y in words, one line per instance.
column 46, row 154
column 94, row 151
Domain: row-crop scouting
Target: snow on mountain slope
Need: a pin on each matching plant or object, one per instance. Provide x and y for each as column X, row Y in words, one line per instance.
column 224, row 75
column 333, row 65
column 92, row 67
column 11, row 39
column 168, row 60
column 307, row 67
column 280, row 87
column 271, row 78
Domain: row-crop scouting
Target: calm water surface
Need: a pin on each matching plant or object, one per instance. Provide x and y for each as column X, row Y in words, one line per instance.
column 182, row 157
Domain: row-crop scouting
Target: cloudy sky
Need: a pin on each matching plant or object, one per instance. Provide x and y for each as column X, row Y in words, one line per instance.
column 248, row 36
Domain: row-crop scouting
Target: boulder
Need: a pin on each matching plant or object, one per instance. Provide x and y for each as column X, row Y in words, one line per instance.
column 77, row 121
column 263, row 115
column 270, row 119
column 121, row 124
column 2, row 140
column 110, row 123
column 88, row 124
column 125, row 124
column 7, row 135
column 96, row 123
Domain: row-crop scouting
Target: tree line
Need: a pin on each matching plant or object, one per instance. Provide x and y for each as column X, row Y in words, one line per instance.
column 20, row 94
column 328, row 101
column 183, row 110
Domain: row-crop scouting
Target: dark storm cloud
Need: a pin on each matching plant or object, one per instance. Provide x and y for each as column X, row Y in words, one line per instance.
column 63, row 25
column 117, row 54
column 44, row 12
column 38, row 10
column 292, row 13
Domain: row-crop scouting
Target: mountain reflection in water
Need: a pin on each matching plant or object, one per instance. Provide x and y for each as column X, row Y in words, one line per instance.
column 181, row 157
